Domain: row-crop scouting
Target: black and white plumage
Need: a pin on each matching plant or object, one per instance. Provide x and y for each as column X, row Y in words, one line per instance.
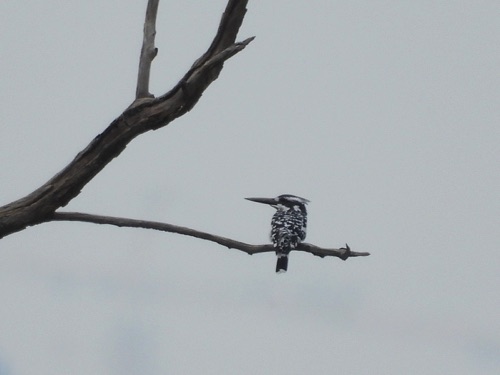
column 288, row 226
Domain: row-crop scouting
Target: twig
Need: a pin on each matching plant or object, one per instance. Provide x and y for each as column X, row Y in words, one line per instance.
column 342, row 253
column 148, row 51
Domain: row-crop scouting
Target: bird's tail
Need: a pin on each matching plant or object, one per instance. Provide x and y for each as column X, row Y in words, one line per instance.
column 282, row 263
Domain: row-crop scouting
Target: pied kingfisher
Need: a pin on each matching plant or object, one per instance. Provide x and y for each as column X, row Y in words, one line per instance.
column 288, row 226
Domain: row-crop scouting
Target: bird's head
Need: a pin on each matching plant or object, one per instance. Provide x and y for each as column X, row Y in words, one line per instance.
column 284, row 202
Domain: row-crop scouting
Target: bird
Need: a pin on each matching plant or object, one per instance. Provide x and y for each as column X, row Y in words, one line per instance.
column 288, row 225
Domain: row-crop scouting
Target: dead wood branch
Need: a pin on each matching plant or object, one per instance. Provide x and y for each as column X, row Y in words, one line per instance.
column 342, row 253
column 143, row 115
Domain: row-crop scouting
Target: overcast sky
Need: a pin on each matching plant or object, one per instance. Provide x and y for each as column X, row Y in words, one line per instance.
column 385, row 114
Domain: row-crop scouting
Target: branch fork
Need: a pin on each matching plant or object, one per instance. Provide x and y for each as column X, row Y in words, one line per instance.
column 146, row 113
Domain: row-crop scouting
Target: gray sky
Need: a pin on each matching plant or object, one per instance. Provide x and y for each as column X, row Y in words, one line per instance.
column 383, row 113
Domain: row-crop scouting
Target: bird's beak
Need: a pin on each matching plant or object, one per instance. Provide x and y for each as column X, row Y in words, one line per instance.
column 270, row 201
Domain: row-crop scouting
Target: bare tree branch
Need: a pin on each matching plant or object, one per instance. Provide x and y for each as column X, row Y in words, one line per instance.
column 143, row 115
column 342, row 253
column 148, row 51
